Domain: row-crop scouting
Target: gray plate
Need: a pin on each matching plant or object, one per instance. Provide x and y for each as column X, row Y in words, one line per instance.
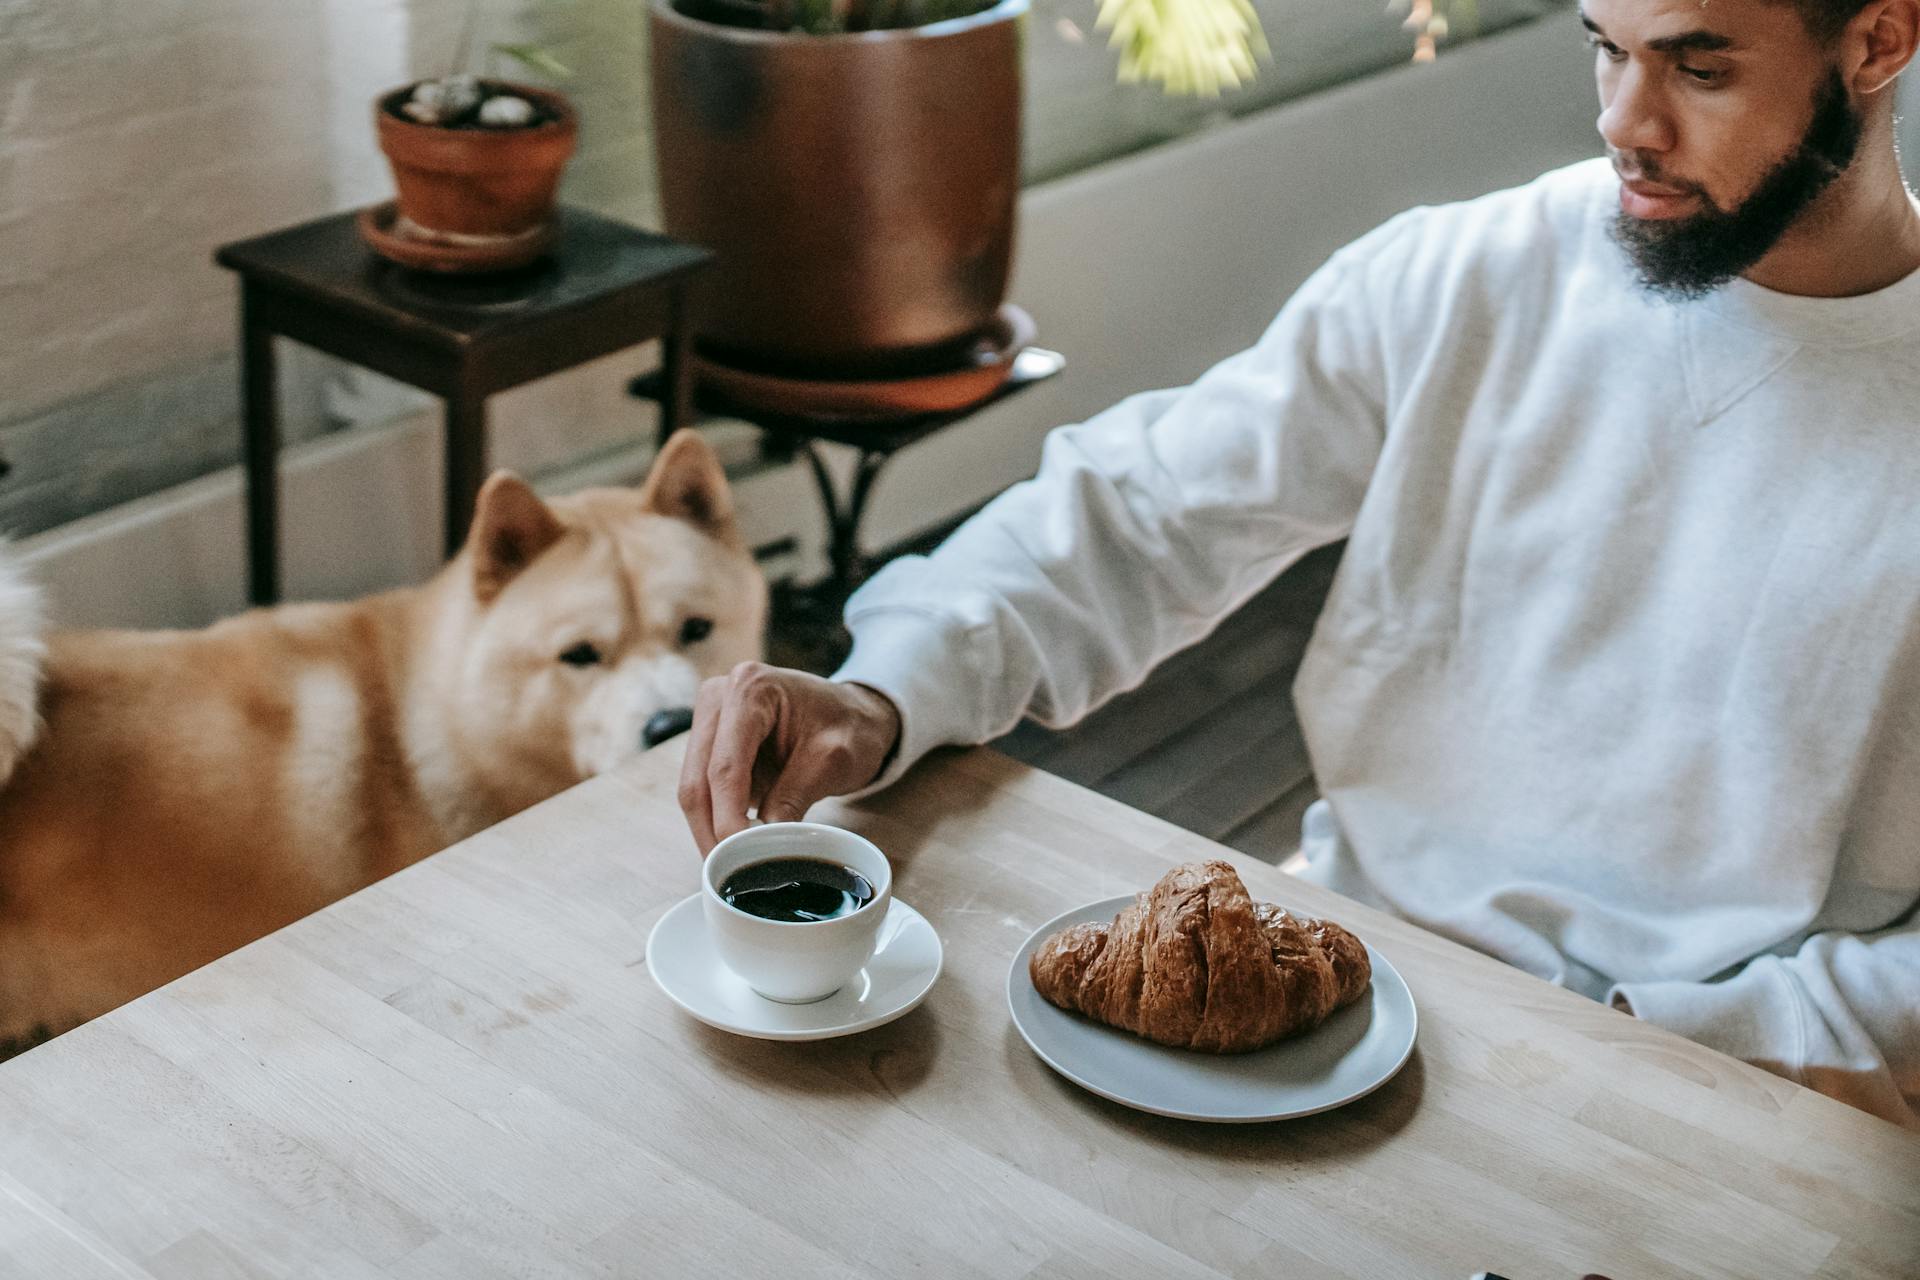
column 1348, row 1056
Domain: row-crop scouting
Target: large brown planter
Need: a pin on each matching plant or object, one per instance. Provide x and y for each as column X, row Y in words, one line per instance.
column 478, row 182
column 858, row 190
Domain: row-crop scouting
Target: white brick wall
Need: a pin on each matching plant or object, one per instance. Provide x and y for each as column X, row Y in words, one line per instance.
column 135, row 135
column 138, row 135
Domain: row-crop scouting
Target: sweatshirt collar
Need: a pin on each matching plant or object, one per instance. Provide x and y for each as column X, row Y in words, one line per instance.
column 1870, row 318
column 1880, row 316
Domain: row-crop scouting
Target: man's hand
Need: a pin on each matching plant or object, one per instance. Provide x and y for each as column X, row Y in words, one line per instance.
column 776, row 740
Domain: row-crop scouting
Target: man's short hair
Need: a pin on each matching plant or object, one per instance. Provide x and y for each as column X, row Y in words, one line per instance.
column 1826, row 19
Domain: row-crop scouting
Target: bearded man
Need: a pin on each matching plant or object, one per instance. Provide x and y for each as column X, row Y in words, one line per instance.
column 1619, row 680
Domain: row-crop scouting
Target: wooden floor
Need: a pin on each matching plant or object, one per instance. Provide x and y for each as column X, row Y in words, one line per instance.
column 1208, row 742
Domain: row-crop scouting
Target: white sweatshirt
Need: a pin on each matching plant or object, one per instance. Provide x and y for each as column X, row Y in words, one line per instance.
column 1619, row 680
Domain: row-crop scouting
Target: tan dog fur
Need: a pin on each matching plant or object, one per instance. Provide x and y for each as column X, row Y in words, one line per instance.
column 187, row 792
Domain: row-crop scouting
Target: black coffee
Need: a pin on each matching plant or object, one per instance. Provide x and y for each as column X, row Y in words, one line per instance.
column 797, row 890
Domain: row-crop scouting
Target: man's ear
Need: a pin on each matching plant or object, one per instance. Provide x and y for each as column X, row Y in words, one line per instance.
column 511, row 527
column 1886, row 35
column 687, row 483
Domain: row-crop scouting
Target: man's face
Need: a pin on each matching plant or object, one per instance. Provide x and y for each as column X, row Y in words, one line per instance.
column 1725, row 120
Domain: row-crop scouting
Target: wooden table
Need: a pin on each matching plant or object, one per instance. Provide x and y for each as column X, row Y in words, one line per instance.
column 465, row 1072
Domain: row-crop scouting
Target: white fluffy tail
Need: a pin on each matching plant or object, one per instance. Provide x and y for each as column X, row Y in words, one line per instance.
column 22, row 648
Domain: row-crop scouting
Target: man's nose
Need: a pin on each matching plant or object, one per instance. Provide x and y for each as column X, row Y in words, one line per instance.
column 1633, row 118
column 662, row 725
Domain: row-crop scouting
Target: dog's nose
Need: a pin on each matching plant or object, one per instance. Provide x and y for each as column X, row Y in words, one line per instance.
column 665, row 724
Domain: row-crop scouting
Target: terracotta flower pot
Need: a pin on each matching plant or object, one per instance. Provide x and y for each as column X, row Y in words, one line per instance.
column 859, row 191
column 474, row 181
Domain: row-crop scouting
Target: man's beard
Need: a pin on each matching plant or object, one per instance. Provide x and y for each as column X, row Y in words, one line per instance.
column 1692, row 256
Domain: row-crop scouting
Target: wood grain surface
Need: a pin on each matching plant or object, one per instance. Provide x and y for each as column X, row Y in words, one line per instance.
column 465, row 1072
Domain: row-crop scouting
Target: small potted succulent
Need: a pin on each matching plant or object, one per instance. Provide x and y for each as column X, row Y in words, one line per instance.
column 476, row 164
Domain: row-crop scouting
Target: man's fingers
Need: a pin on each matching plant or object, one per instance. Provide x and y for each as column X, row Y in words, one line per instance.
column 826, row 764
column 800, row 785
column 778, row 741
column 696, row 800
column 746, row 718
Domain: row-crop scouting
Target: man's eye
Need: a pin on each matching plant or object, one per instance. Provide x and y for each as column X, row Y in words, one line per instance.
column 581, row 655
column 694, row 630
column 1702, row 75
column 1613, row 51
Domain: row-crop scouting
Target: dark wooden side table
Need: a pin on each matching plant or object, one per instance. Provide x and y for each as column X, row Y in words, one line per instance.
column 607, row 286
column 812, row 614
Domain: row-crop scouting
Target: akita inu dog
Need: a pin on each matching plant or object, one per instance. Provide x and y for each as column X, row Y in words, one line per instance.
column 169, row 796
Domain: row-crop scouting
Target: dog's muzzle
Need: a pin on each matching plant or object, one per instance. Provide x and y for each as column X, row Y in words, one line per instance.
column 662, row 725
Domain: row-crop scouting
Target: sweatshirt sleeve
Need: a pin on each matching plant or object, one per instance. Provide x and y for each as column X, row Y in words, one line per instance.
column 1841, row 1015
column 1144, row 527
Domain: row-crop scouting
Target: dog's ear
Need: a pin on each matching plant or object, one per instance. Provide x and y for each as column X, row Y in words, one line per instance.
column 688, row 484
column 511, row 527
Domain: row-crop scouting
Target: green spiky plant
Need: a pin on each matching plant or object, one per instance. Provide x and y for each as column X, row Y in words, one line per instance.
column 1188, row 47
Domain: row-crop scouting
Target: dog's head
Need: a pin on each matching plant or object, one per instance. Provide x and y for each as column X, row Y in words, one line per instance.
column 591, row 613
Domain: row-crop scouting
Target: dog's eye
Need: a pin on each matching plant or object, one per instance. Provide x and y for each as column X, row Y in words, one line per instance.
column 694, row 630
column 581, row 655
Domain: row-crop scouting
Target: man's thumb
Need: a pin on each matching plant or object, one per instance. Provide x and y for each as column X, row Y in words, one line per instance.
column 784, row 804
column 808, row 777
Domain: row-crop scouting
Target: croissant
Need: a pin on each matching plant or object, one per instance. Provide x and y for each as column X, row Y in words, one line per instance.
column 1197, row 964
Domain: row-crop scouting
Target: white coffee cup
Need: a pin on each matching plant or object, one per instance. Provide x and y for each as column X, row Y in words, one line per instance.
column 795, row 962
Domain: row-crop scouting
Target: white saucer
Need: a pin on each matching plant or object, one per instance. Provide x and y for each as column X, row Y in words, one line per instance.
column 1355, row 1051
column 893, row 984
